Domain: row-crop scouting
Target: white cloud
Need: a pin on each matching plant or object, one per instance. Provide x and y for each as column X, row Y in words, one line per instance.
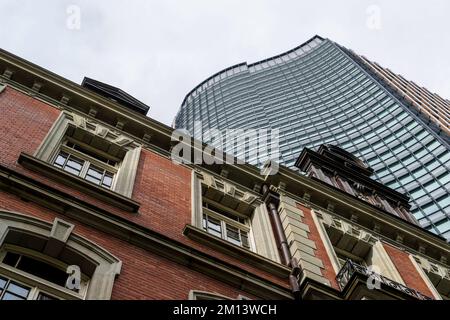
column 158, row 51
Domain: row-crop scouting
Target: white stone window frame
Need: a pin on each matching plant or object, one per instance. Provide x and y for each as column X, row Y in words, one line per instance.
column 261, row 235
column 423, row 267
column 205, row 295
column 107, row 266
column 224, row 221
column 88, row 161
column 38, row 284
column 126, row 171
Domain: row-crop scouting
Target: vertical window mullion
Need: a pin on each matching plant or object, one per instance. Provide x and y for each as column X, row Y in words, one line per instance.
column 65, row 161
column 84, row 169
column 224, row 229
column 33, row 294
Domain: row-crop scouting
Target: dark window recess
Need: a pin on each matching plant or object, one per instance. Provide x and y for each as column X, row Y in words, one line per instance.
column 223, row 212
column 90, row 153
column 37, row 268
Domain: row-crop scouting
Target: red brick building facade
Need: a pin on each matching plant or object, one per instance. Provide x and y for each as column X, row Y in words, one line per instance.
column 87, row 180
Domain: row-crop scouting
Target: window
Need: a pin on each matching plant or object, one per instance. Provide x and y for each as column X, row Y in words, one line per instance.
column 30, row 272
column 35, row 257
column 228, row 226
column 349, row 242
column 204, row 295
column 92, row 152
column 343, row 256
column 86, row 164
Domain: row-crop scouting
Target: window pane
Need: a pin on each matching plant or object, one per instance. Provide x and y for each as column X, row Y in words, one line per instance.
column 223, row 212
column 93, row 176
column 213, row 226
column 244, row 238
column 74, row 165
column 233, row 235
column 17, row 290
column 95, row 172
column 61, row 159
column 107, row 179
column 2, row 283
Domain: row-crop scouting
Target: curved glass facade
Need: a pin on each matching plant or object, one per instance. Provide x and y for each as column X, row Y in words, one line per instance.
column 317, row 93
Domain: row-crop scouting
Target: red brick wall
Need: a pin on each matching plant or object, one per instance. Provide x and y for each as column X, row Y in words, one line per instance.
column 320, row 252
column 144, row 275
column 162, row 188
column 407, row 270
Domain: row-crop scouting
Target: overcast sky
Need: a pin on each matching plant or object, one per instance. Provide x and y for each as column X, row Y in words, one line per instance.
column 159, row 50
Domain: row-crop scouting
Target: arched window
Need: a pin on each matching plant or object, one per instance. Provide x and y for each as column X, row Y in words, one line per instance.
column 40, row 260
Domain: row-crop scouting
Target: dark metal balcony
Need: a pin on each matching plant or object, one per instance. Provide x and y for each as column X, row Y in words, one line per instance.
column 352, row 269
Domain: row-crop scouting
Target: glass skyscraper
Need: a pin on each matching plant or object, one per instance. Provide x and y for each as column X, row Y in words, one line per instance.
column 320, row 92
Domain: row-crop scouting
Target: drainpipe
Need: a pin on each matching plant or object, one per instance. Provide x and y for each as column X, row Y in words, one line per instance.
column 272, row 200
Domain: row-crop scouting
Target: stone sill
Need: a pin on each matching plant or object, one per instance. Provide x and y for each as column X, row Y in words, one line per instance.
column 235, row 251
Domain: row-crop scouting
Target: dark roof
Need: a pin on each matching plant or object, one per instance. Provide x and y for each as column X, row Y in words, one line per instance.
column 116, row 94
column 349, row 166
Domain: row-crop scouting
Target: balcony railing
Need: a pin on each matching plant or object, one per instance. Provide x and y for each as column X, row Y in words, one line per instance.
column 350, row 268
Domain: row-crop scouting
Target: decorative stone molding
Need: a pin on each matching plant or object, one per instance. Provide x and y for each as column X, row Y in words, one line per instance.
column 147, row 137
column 2, row 87
column 36, row 86
column 93, row 112
column 65, row 99
column 438, row 274
column 348, row 229
column 255, row 209
column 59, row 235
column 8, row 73
column 120, row 124
column 230, row 189
column 360, row 242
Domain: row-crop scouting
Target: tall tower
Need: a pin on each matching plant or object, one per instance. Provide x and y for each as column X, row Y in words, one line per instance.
column 320, row 92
